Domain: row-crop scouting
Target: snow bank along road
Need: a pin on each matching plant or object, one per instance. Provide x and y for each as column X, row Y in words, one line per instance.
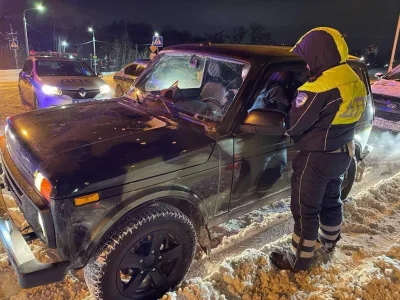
column 366, row 265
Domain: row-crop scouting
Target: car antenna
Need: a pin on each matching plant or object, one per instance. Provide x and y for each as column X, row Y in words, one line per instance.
column 213, row 38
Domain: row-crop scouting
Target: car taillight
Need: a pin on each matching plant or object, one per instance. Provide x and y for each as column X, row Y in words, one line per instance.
column 43, row 185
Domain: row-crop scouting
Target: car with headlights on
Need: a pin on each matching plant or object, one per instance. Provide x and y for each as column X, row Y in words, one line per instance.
column 52, row 79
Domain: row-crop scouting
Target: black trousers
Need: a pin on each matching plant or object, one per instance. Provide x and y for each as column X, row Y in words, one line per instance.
column 315, row 202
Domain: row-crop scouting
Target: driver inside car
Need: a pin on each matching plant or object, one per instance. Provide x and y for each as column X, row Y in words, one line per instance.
column 275, row 95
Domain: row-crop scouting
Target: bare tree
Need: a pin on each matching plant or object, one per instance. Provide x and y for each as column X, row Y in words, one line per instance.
column 238, row 34
column 123, row 51
column 258, row 34
column 7, row 58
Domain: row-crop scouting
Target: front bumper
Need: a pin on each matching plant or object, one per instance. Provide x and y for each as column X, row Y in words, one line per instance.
column 30, row 271
column 50, row 101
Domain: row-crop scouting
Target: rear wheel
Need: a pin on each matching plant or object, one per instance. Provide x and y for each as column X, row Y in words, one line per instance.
column 119, row 92
column 349, row 178
column 147, row 253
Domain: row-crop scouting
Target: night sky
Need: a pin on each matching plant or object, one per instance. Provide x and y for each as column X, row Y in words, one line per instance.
column 363, row 21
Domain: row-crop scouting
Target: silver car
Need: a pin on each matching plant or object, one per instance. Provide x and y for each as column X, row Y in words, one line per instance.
column 52, row 79
column 127, row 75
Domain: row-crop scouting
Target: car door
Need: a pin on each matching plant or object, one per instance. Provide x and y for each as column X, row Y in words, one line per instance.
column 25, row 81
column 263, row 162
column 21, row 78
column 129, row 76
column 29, row 88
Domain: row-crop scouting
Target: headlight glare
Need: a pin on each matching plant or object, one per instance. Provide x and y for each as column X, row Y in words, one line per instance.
column 105, row 89
column 51, row 90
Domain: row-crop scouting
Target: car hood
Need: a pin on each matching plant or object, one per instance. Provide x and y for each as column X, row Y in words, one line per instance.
column 73, row 82
column 81, row 148
column 386, row 87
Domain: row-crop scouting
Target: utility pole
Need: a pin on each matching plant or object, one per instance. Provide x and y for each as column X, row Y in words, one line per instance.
column 26, row 36
column 396, row 38
column 13, row 36
column 136, row 53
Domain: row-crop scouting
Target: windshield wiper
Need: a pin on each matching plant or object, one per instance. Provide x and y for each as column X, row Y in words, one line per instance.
column 165, row 104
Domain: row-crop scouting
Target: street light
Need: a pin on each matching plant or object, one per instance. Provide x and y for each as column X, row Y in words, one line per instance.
column 64, row 44
column 90, row 29
column 156, row 33
column 39, row 8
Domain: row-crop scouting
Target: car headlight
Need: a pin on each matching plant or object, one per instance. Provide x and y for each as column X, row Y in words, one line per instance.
column 51, row 90
column 43, row 185
column 105, row 89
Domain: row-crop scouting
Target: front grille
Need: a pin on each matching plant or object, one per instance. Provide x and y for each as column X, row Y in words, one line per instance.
column 387, row 115
column 75, row 94
column 387, row 108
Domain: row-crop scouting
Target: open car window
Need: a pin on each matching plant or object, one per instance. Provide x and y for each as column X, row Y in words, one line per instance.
column 200, row 86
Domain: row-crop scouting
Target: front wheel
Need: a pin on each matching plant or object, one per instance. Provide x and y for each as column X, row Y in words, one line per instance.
column 143, row 256
column 349, row 178
column 119, row 92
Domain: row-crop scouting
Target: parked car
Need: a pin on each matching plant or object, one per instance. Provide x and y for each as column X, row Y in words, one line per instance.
column 127, row 75
column 386, row 94
column 126, row 188
column 51, row 79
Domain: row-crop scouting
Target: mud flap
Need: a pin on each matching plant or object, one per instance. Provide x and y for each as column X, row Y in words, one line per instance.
column 204, row 239
column 360, row 171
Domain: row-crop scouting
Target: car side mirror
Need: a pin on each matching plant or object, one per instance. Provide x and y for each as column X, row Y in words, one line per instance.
column 379, row 75
column 25, row 75
column 264, row 121
column 100, row 75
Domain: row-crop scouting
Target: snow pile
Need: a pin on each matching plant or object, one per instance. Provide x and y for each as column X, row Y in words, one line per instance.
column 9, row 75
column 386, row 87
column 363, row 214
column 363, row 266
column 250, row 224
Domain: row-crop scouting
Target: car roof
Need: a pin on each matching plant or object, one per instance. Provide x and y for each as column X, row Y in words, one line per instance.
column 258, row 53
column 53, row 58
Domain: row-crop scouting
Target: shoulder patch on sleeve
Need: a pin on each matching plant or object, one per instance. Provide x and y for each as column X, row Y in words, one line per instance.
column 301, row 99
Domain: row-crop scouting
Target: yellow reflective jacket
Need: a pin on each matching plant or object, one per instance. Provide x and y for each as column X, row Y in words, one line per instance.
column 327, row 107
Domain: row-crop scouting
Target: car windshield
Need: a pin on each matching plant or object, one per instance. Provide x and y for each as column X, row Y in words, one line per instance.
column 394, row 75
column 62, row 68
column 200, row 86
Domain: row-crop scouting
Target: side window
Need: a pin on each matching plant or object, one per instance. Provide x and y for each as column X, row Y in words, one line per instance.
column 26, row 66
column 30, row 67
column 277, row 87
column 130, row 70
column 139, row 70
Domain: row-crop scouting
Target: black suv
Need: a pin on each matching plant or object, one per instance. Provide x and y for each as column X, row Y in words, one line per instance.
column 125, row 188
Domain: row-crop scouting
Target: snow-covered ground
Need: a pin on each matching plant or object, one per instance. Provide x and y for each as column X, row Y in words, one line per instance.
column 366, row 265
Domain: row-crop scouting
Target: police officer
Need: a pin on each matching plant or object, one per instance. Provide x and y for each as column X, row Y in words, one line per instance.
column 323, row 118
